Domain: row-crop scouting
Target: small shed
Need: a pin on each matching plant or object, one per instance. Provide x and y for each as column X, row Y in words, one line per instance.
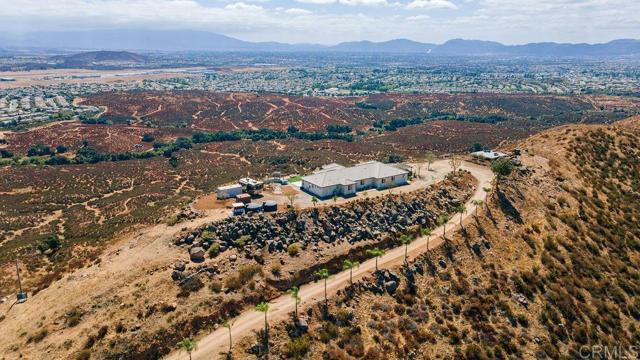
column 270, row 206
column 238, row 208
column 228, row 191
column 243, row 198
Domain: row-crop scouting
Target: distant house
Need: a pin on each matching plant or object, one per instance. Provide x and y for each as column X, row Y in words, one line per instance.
column 335, row 179
column 488, row 154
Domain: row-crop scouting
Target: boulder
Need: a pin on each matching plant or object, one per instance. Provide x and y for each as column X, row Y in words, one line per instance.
column 391, row 287
column 196, row 254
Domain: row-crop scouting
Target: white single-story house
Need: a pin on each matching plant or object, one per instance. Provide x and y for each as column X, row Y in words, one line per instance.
column 488, row 154
column 335, row 179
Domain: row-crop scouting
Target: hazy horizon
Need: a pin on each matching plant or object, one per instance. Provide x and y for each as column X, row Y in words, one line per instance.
column 330, row 22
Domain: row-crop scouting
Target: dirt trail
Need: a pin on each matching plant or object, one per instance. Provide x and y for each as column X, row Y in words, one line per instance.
column 237, row 156
column 217, row 342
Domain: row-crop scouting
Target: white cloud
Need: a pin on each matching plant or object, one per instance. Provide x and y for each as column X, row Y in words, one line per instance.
column 243, row 6
column 297, row 11
column 431, row 4
column 365, row 2
column 510, row 21
column 318, row 2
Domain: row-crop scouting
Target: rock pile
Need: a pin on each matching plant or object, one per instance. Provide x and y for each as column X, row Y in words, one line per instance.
column 360, row 220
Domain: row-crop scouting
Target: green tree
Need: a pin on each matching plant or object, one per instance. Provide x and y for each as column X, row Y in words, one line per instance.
column 442, row 221
column 426, row 232
column 487, row 191
column 324, row 275
column 314, row 200
column 294, row 292
column 430, row 158
column 461, row 209
column 406, row 240
column 477, row 203
column 376, row 253
column 349, row 265
column 61, row 149
column 502, row 167
column 188, row 345
column 264, row 307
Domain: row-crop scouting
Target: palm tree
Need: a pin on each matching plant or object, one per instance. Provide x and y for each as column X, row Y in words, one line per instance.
column 477, row 203
column 335, row 198
column 314, row 200
column 487, row 190
column 461, row 209
column 264, row 307
column 426, row 232
column 349, row 265
column 324, row 274
column 375, row 253
column 442, row 221
column 294, row 292
column 406, row 240
column 188, row 345
column 227, row 324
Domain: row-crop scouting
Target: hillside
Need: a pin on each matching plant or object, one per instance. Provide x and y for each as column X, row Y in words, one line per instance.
column 546, row 270
column 98, row 58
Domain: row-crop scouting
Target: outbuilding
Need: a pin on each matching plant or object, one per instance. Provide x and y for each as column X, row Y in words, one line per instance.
column 228, row 191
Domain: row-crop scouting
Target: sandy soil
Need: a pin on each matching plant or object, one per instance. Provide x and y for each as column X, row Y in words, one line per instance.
column 217, row 342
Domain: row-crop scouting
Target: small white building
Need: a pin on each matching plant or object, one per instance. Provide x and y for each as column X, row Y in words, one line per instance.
column 335, row 179
column 488, row 154
column 229, row 191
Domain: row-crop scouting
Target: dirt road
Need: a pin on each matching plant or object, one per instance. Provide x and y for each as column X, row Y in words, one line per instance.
column 216, row 343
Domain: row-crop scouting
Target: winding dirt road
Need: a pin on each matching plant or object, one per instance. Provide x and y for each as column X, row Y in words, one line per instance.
column 217, row 342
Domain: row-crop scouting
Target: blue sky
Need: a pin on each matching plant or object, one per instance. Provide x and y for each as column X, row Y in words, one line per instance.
column 333, row 21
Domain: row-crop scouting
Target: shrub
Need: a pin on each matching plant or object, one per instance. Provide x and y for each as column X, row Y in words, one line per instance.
column 247, row 272
column 293, row 250
column 298, row 348
column 73, row 317
column 276, row 269
column 148, row 138
column 214, row 250
column 61, row 149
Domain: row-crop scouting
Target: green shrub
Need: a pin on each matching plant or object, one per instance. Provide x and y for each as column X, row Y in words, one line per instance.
column 293, row 250
column 298, row 348
column 214, row 250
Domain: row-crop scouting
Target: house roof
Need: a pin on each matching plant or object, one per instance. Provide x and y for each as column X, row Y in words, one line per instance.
column 488, row 154
column 338, row 175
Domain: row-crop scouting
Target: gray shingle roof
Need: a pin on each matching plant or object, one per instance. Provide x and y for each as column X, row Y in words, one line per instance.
column 350, row 175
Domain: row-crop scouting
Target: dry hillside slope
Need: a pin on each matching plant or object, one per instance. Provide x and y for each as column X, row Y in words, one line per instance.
column 547, row 270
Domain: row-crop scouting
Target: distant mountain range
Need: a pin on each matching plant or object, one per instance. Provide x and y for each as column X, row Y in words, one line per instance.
column 187, row 40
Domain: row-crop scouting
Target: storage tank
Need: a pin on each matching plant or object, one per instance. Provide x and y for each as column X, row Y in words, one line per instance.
column 253, row 207
column 270, row 206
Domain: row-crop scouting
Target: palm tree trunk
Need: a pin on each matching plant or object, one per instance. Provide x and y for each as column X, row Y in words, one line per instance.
column 406, row 250
column 230, row 342
column 351, row 275
column 376, row 263
column 266, row 334
column 326, row 302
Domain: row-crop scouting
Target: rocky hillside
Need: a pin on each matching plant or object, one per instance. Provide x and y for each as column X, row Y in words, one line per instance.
column 546, row 271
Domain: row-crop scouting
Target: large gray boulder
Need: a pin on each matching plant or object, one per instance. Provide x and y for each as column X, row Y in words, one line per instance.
column 196, row 254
